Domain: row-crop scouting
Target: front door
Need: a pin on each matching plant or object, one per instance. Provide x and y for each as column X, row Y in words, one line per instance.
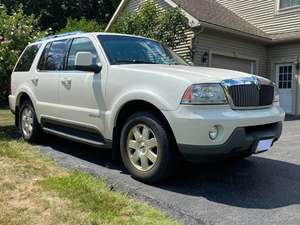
column 284, row 79
column 81, row 94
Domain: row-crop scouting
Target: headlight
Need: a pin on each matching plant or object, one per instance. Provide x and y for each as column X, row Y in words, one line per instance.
column 204, row 94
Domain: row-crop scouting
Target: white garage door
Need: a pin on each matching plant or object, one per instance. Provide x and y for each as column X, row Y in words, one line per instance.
column 231, row 63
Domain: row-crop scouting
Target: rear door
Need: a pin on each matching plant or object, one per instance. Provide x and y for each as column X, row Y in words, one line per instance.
column 47, row 77
column 81, row 94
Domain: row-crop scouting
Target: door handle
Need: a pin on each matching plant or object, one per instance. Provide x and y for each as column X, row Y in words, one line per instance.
column 35, row 81
column 67, row 81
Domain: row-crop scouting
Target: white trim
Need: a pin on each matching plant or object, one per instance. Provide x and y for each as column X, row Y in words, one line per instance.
column 193, row 22
column 286, row 9
column 116, row 14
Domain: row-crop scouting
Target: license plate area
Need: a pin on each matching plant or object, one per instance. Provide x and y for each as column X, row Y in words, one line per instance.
column 264, row 145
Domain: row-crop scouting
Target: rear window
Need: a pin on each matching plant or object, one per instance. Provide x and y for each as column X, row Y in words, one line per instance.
column 53, row 56
column 27, row 58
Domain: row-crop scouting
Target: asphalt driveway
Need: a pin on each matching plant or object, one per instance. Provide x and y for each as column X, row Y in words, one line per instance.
column 263, row 189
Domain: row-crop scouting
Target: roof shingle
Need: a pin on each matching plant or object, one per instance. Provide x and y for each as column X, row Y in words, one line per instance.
column 212, row 12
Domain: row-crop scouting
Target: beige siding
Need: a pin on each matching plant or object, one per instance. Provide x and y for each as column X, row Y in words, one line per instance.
column 264, row 15
column 225, row 44
column 184, row 49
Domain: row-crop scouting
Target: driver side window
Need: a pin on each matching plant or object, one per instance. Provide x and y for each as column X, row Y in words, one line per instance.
column 81, row 45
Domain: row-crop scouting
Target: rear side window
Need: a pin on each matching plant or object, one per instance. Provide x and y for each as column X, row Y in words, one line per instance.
column 53, row 57
column 27, row 58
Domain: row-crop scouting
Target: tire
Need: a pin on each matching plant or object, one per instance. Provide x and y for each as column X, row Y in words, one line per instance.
column 134, row 150
column 29, row 126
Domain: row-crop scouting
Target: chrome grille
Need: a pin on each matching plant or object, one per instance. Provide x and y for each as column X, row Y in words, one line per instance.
column 251, row 95
column 249, row 92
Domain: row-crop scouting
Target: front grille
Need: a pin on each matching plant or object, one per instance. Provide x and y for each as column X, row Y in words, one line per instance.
column 250, row 95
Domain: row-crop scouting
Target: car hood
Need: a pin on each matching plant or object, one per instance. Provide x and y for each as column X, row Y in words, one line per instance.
column 193, row 74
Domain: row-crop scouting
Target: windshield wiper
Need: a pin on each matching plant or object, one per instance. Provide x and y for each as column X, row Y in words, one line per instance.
column 133, row 62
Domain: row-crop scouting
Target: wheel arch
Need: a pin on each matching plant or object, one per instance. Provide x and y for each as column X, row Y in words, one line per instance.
column 129, row 108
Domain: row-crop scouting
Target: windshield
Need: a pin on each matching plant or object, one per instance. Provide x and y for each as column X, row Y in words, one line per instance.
column 135, row 50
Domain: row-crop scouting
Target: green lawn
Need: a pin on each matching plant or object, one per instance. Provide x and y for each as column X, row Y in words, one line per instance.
column 34, row 190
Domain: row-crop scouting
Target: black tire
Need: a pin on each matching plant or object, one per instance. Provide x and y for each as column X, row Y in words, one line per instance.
column 36, row 128
column 167, row 155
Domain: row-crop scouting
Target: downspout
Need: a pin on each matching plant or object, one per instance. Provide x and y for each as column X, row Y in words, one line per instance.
column 297, row 86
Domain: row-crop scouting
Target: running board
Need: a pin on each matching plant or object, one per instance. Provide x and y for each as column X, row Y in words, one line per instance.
column 75, row 138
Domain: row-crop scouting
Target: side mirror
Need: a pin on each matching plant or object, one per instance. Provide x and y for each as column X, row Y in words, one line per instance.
column 84, row 62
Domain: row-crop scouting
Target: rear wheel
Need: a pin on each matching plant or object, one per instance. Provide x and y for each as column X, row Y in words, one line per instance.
column 147, row 150
column 29, row 126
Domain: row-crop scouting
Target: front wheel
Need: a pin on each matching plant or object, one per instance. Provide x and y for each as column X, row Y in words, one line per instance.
column 147, row 150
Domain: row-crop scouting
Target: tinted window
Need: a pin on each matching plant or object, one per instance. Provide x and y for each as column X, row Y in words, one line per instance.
column 27, row 58
column 134, row 50
column 41, row 64
column 81, row 45
column 53, row 58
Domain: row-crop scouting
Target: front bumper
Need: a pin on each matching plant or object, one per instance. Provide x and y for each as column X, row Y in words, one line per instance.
column 240, row 130
column 242, row 141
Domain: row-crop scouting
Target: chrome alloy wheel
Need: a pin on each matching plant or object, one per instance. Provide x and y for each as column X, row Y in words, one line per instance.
column 142, row 147
column 27, row 122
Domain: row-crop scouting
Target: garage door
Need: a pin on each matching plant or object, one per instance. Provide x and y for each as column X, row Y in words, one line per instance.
column 231, row 63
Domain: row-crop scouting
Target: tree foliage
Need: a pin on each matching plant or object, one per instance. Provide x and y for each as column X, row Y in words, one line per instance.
column 55, row 13
column 18, row 30
column 167, row 26
column 82, row 25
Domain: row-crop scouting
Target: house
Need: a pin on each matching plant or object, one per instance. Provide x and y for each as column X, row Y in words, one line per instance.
column 255, row 36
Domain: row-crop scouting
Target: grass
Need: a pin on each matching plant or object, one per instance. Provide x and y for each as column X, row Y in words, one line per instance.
column 34, row 190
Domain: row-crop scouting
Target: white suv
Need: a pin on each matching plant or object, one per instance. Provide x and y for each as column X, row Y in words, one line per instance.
column 139, row 98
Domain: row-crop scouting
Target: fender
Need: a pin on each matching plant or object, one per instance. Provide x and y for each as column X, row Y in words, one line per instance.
column 26, row 90
column 136, row 95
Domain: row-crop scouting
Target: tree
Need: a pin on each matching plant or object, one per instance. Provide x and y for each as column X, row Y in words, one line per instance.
column 82, row 25
column 55, row 13
column 17, row 31
column 167, row 26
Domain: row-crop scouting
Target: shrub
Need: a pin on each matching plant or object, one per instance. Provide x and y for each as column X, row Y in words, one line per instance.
column 167, row 26
column 16, row 31
column 82, row 25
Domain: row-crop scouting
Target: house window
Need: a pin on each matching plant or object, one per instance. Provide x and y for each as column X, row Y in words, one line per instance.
column 285, row 77
column 288, row 3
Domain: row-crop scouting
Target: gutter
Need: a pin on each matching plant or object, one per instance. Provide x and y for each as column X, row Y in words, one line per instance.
column 236, row 32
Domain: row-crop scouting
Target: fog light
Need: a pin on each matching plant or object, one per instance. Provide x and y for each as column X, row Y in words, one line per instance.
column 213, row 133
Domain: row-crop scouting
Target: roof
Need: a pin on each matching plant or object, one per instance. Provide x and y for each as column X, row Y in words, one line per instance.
column 211, row 13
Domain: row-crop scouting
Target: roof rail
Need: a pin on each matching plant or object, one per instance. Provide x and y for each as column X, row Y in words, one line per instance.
column 60, row 35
